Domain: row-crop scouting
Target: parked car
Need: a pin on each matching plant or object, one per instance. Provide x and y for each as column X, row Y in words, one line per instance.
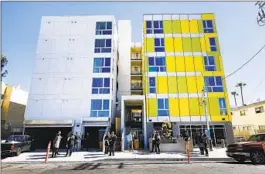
column 253, row 149
column 16, row 144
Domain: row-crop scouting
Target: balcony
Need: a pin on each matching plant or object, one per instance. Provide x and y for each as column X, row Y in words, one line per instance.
column 136, row 86
column 136, row 71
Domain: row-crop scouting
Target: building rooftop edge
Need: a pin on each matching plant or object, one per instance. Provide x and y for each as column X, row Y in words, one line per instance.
column 248, row 106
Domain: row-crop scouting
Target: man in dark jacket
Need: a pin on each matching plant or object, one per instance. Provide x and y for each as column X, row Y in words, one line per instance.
column 112, row 141
column 70, row 144
column 203, row 144
column 157, row 142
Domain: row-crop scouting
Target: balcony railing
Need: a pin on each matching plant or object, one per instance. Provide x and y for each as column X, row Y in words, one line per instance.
column 136, row 70
column 136, row 57
column 137, row 86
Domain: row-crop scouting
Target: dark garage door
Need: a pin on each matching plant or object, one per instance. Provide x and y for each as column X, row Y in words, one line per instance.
column 42, row 135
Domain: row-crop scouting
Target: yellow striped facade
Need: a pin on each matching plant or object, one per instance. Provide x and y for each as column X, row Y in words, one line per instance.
column 185, row 45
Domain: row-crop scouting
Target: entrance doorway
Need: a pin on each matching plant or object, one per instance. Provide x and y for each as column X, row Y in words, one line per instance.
column 95, row 136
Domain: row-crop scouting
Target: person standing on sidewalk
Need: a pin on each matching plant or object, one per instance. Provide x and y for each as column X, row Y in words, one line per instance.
column 106, row 141
column 56, row 144
column 112, row 142
column 130, row 141
column 157, row 142
column 153, row 141
column 77, row 142
column 87, row 141
column 205, row 140
column 70, row 144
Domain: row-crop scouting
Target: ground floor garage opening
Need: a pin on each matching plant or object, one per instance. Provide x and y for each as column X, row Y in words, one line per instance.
column 42, row 135
column 95, row 137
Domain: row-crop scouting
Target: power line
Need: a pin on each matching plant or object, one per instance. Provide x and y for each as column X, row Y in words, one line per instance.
column 262, row 80
column 246, row 62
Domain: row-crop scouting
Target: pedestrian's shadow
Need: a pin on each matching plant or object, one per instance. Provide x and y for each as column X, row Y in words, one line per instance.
column 87, row 166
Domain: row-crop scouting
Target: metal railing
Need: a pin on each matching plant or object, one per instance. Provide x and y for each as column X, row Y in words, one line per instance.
column 136, row 57
column 136, row 70
column 136, row 86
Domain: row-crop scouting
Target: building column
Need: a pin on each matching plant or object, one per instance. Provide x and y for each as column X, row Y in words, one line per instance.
column 175, row 129
column 122, row 124
column 145, row 126
column 229, row 132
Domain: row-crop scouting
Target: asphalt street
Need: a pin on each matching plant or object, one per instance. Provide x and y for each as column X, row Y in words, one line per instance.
column 137, row 167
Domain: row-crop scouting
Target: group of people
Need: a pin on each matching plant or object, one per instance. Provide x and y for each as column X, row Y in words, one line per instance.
column 202, row 142
column 156, row 142
column 110, row 140
column 73, row 143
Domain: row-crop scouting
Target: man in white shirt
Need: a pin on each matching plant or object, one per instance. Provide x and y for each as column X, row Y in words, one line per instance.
column 130, row 141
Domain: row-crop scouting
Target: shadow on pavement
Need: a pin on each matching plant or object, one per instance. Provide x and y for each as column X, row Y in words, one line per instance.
column 244, row 163
column 88, row 166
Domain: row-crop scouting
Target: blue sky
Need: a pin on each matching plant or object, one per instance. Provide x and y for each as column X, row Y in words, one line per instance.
column 240, row 37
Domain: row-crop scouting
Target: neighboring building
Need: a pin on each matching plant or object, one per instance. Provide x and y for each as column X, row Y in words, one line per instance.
column 88, row 73
column 13, row 105
column 249, row 119
column 73, row 86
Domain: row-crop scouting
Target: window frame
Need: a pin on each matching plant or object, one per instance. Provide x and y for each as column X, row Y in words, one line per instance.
column 213, row 47
column 216, row 86
column 100, row 69
column 223, row 109
column 153, row 29
column 106, row 30
column 101, row 89
column 161, row 46
column 152, row 88
column 206, row 27
column 207, row 65
column 164, row 110
column 105, row 49
column 99, row 112
column 242, row 112
column 261, row 109
column 155, row 67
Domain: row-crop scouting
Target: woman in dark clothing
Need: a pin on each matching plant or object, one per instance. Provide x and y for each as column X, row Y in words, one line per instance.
column 203, row 144
column 112, row 141
column 157, row 142
column 107, row 143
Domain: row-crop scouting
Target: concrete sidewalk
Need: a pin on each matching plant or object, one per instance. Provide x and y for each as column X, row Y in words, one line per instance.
column 215, row 155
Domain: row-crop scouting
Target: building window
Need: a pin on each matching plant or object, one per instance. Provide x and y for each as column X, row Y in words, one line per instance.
column 214, row 84
column 209, row 63
column 159, row 45
column 99, row 108
column 104, row 28
column 242, row 113
column 154, row 27
column 101, row 65
column 222, row 106
column 208, row 26
column 213, row 45
column 102, row 46
column 157, row 64
column 259, row 109
column 101, row 86
column 163, row 107
column 152, row 84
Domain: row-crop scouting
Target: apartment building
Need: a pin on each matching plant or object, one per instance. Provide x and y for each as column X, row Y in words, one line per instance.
column 249, row 119
column 73, row 86
column 89, row 72
column 13, row 105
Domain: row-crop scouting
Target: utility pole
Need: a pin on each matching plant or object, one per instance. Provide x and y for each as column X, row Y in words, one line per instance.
column 261, row 13
column 240, row 85
column 234, row 93
column 208, row 133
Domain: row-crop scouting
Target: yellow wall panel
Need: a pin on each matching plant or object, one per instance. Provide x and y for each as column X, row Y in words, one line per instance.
column 192, row 86
column 162, row 84
column 170, row 62
column 182, row 84
column 208, row 16
column 149, row 45
column 213, row 106
column 180, row 64
column 167, row 27
column 187, row 45
column 169, row 45
column 173, row 107
column 178, row 44
column 189, row 64
column 200, row 83
column 194, row 26
column 198, row 62
column 185, row 26
column 184, row 106
column 203, row 44
column 176, row 26
column 152, row 107
column 194, row 106
column 172, row 85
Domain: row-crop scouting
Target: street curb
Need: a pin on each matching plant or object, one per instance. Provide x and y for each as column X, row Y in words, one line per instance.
column 172, row 159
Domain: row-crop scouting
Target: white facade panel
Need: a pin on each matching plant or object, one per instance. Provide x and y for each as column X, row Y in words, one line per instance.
column 61, row 84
